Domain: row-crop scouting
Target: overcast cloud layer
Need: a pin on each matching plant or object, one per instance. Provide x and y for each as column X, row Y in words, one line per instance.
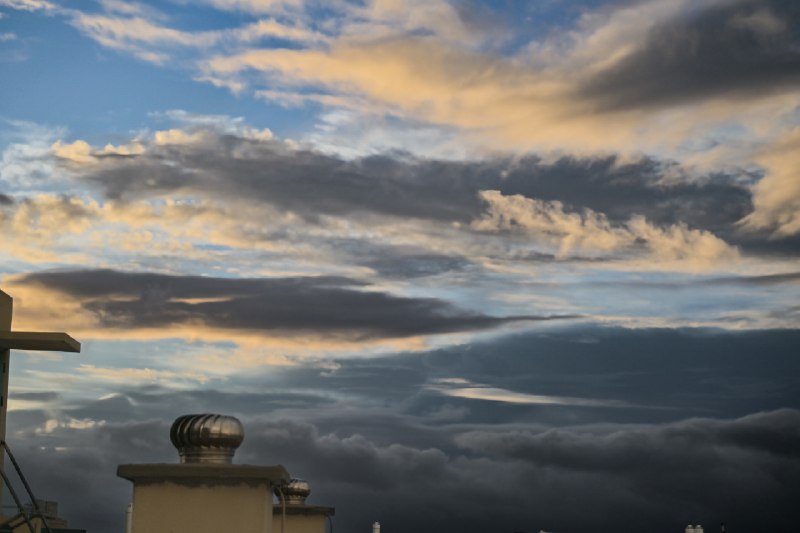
column 662, row 432
column 474, row 266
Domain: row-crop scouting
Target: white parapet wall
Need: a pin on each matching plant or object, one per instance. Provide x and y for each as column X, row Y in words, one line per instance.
column 202, row 498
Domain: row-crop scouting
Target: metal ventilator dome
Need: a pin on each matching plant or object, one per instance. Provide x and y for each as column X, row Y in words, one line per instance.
column 295, row 493
column 206, row 438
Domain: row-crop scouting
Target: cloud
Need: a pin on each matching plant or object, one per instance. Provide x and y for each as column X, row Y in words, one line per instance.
column 416, row 77
column 317, row 306
column 567, row 84
column 777, row 196
column 227, row 158
column 679, row 242
column 138, row 375
column 408, row 263
column 78, row 229
column 450, row 22
column 121, row 32
column 29, row 5
column 81, row 152
column 772, row 433
column 139, row 36
column 26, row 160
column 769, row 279
column 177, row 136
column 591, row 232
column 143, row 33
column 369, row 430
column 33, row 226
column 396, row 214
column 272, row 28
column 461, row 388
column 78, row 151
column 35, row 396
column 741, row 48
column 257, row 6
column 520, row 480
column 455, row 67
column 216, row 186
column 664, row 463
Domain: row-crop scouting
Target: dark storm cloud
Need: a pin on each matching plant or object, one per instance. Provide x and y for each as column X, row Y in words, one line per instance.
column 311, row 184
column 375, row 443
column 742, row 471
column 704, row 470
column 670, row 373
column 77, row 467
column 744, row 47
column 776, row 433
column 688, row 471
column 322, row 305
column 660, row 375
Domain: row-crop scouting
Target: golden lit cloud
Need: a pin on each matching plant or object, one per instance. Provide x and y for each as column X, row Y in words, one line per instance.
column 777, row 195
column 588, row 232
column 139, row 375
column 177, row 136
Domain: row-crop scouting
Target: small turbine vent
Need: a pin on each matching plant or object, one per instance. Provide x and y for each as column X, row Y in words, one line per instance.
column 206, row 438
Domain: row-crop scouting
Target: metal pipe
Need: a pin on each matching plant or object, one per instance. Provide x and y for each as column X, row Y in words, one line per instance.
column 283, row 507
column 129, row 519
column 27, row 487
column 16, row 500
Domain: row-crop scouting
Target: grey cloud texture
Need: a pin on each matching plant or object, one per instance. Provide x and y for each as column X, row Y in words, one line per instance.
column 776, row 434
column 770, row 279
column 310, row 184
column 35, row 396
column 375, row 442
column 736, row 48
column 324, row 306
column 416, row 265
column 707, row 470
column 702, row 471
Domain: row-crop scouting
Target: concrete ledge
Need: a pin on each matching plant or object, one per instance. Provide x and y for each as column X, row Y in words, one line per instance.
column 304, row 510
column 32, row 340
column 203, row 474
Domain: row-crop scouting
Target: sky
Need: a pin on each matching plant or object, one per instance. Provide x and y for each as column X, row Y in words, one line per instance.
column 479, row 265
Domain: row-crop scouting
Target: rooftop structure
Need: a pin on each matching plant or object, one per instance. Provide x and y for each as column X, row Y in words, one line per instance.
column 205, row 492
column 49, row 514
